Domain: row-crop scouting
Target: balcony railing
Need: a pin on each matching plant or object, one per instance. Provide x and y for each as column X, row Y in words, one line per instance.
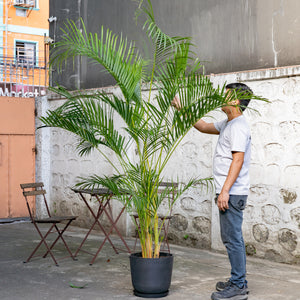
column 22, row 74
column 24, row 3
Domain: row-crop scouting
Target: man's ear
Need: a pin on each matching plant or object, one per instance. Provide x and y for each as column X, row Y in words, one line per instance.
column 237, row 103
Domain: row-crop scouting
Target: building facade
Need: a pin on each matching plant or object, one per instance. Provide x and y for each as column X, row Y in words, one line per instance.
column 24, row 31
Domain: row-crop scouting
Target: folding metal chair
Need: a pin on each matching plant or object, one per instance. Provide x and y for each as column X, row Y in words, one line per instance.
column 35, row 189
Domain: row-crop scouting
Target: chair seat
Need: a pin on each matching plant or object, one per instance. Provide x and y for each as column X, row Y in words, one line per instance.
column 56, row 219
column 162, row 217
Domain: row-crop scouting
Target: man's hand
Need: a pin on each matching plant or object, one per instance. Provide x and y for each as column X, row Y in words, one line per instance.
column 176, row 103
column 223, row 201
column 201, row 125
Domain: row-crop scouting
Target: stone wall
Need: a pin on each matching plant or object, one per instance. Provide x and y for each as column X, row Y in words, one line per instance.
column 272, row 217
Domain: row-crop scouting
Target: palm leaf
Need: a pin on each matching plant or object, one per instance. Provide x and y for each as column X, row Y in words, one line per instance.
column 117, row 56
column 91, row 120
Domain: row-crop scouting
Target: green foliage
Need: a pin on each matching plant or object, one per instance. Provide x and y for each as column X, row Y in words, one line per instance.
column 77, row 287
column 150, row 124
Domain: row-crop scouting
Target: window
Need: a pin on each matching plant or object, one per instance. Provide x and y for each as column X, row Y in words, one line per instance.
column 24, row 7
column 25, row 3
column 26, row 54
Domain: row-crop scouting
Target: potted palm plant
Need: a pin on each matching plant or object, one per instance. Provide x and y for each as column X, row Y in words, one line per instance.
column 149, row 123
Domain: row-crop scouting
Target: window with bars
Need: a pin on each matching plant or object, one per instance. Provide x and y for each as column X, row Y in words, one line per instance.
column 25, row 3
column 26, row 53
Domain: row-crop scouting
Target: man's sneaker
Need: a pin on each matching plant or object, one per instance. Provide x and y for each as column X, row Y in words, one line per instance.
column 231, row 292
column 221, row 285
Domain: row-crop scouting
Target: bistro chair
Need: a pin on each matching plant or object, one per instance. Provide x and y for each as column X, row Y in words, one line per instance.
column 30, row 190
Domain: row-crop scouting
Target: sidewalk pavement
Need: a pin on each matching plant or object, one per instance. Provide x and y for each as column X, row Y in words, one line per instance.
column 195, row 271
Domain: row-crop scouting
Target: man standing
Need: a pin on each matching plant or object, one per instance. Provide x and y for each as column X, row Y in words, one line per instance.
column 231, row 177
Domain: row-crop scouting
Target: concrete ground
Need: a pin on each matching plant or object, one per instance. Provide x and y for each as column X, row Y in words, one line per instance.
column 195, row 271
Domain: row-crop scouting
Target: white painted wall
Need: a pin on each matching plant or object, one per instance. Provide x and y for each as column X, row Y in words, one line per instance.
column 272, row 217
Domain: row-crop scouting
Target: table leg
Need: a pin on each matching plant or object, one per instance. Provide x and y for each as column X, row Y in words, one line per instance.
column 114, row 222
column 96, row 217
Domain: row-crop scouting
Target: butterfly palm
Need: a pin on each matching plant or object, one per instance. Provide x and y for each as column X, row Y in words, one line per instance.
column 147, row 123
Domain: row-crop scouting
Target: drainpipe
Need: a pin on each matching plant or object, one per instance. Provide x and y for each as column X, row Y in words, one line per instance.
column 79, row 59
column 6, row 26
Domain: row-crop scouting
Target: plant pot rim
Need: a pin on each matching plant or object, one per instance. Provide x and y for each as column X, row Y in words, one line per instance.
column 161, row 255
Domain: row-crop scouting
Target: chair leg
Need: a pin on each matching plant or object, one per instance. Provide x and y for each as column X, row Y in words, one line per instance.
column 166, row 242
column 43, row 240
column 136, row 232
column 60, row 233
column 136, row 238
column 67, row 247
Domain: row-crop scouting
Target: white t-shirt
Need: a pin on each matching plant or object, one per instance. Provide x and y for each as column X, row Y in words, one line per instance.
column 234, row 136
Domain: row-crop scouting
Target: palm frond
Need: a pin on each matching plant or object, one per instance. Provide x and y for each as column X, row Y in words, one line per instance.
column 163, row 42
column 129, row 112
column 113, row 183
column 117, row 56
column 92, row 121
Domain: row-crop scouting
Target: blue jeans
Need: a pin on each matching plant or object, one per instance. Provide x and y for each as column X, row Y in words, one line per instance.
column 232, row 237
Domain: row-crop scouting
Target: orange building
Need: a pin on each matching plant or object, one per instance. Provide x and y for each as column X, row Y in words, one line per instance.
column 24, row 27
column 23, row 51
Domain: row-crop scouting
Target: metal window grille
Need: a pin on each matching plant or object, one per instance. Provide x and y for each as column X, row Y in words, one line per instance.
column 22, row 72
column 26, row 54
column 26, row 3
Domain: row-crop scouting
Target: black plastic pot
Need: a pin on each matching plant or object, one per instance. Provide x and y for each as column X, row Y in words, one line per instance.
column 151, row 277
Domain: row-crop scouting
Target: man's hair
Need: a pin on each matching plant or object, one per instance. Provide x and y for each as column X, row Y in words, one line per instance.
column 244, row 89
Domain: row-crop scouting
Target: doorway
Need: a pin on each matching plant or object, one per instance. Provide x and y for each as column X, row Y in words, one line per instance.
column 17, row 153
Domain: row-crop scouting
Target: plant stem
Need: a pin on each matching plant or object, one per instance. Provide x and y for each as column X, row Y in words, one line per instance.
column 156, row 237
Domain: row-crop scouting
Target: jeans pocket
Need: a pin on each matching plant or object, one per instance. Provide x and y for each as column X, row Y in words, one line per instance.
column 238, row 202
column 242, row 204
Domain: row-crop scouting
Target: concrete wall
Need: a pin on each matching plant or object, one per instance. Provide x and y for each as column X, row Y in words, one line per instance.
column 272, row 217
column 229, row 35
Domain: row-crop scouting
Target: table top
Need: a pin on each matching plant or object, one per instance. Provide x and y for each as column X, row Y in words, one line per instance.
column 106, row 191
column 101, row 191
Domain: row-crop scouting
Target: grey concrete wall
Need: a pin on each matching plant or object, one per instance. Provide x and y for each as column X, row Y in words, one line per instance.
column 63, row 10
column 272, row 216
column 229, row 35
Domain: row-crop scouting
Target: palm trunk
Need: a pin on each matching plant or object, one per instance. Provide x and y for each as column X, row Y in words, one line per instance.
column 156, row 238
column 147, row 243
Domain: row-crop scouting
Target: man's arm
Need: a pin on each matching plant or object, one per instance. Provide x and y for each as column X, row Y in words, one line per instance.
column 233, row 173
column 204, row 127
column 200, row 125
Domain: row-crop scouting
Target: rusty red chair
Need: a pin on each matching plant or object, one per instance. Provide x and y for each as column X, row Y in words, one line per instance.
column 36, row 189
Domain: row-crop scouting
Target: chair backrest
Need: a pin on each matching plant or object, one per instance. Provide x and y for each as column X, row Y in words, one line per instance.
column 31, row 190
